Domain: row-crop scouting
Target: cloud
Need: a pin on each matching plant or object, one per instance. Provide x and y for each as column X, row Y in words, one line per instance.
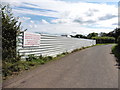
column 79, row 16
column 61, row 21
column 32, row 12
column 24, row 19
column 108, row 16
column 115, row 24
column 44, row 21
column 108, row 23
column 91, row 12
column 32, row 22
column 97, row 1
column 65, row 29
column 80, row 21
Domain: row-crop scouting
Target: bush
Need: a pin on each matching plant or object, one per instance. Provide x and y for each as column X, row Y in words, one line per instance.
column 116, row 52
column 47, row 58
column 65, row 53
column 100, row 40
column 31, row 57
column 10, row 30
column 118, row 41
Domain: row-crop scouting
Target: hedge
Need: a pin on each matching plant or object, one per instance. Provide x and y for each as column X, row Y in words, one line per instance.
column 118, row 41
column 100, row 40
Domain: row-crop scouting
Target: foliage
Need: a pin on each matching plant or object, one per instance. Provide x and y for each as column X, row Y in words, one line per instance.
column 12, row 68
column 100, row 40
column 32, row 60
column 103, row 34
column 31, row 57
column 79, row 36
column 90, row 35
column 116, row 52
column 10, row 28
column 118, row 41
column 115, row 33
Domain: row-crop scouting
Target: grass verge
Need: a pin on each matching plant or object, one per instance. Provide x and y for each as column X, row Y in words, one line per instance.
column 104, row 44
column 10, row 69
column 116, row 52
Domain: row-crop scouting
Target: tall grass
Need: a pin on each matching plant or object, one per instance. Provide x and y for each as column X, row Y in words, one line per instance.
column 116, row 52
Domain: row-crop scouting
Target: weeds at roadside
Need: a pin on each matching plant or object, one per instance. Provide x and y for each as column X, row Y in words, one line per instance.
column 116, row 52
column 10, row 69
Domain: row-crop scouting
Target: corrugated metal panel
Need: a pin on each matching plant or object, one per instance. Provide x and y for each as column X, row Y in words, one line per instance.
column 52, row 45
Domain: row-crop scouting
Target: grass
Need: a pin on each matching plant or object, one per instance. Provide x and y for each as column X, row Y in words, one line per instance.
column 116, row 52
column 104, row 44
column 10, row 69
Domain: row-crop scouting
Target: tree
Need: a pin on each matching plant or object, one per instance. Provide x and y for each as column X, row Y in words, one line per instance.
column 90, row 35
column 10, row 29
column 80, row 36
column 116, row 33
column 103, row 34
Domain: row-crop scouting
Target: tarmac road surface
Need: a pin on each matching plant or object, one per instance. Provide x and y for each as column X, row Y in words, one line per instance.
column 89, row 68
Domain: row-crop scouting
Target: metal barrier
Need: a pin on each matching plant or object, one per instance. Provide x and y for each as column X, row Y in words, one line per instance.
column 52, row 45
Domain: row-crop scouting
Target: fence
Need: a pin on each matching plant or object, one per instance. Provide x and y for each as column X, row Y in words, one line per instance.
column 52, row 45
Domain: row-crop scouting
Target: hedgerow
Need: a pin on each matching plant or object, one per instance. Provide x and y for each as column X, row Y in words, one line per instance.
column 100, row 40
column 118, row 41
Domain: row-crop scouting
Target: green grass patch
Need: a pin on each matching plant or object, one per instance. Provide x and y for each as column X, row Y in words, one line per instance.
column 116, row 52
column 15, row 68
column 104, row 44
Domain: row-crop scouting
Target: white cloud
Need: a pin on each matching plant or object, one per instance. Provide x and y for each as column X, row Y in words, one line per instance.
column 108, row 23
column 44, row 21
column 71, row 16
column 24, row 19
column 63, row 28
column 32, row 22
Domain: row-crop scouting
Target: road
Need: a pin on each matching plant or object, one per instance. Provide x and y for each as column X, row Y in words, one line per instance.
column 89, row 68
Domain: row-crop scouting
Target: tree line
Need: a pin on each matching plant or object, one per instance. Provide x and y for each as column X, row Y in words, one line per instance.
column 111, row 37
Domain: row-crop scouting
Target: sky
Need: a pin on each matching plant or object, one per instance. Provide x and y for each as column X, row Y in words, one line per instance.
column 66, row 16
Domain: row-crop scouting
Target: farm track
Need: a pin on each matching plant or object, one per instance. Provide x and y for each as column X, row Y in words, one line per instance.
column 89, row 68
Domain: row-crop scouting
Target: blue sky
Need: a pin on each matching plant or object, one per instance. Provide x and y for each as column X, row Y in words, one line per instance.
column 66, row 16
